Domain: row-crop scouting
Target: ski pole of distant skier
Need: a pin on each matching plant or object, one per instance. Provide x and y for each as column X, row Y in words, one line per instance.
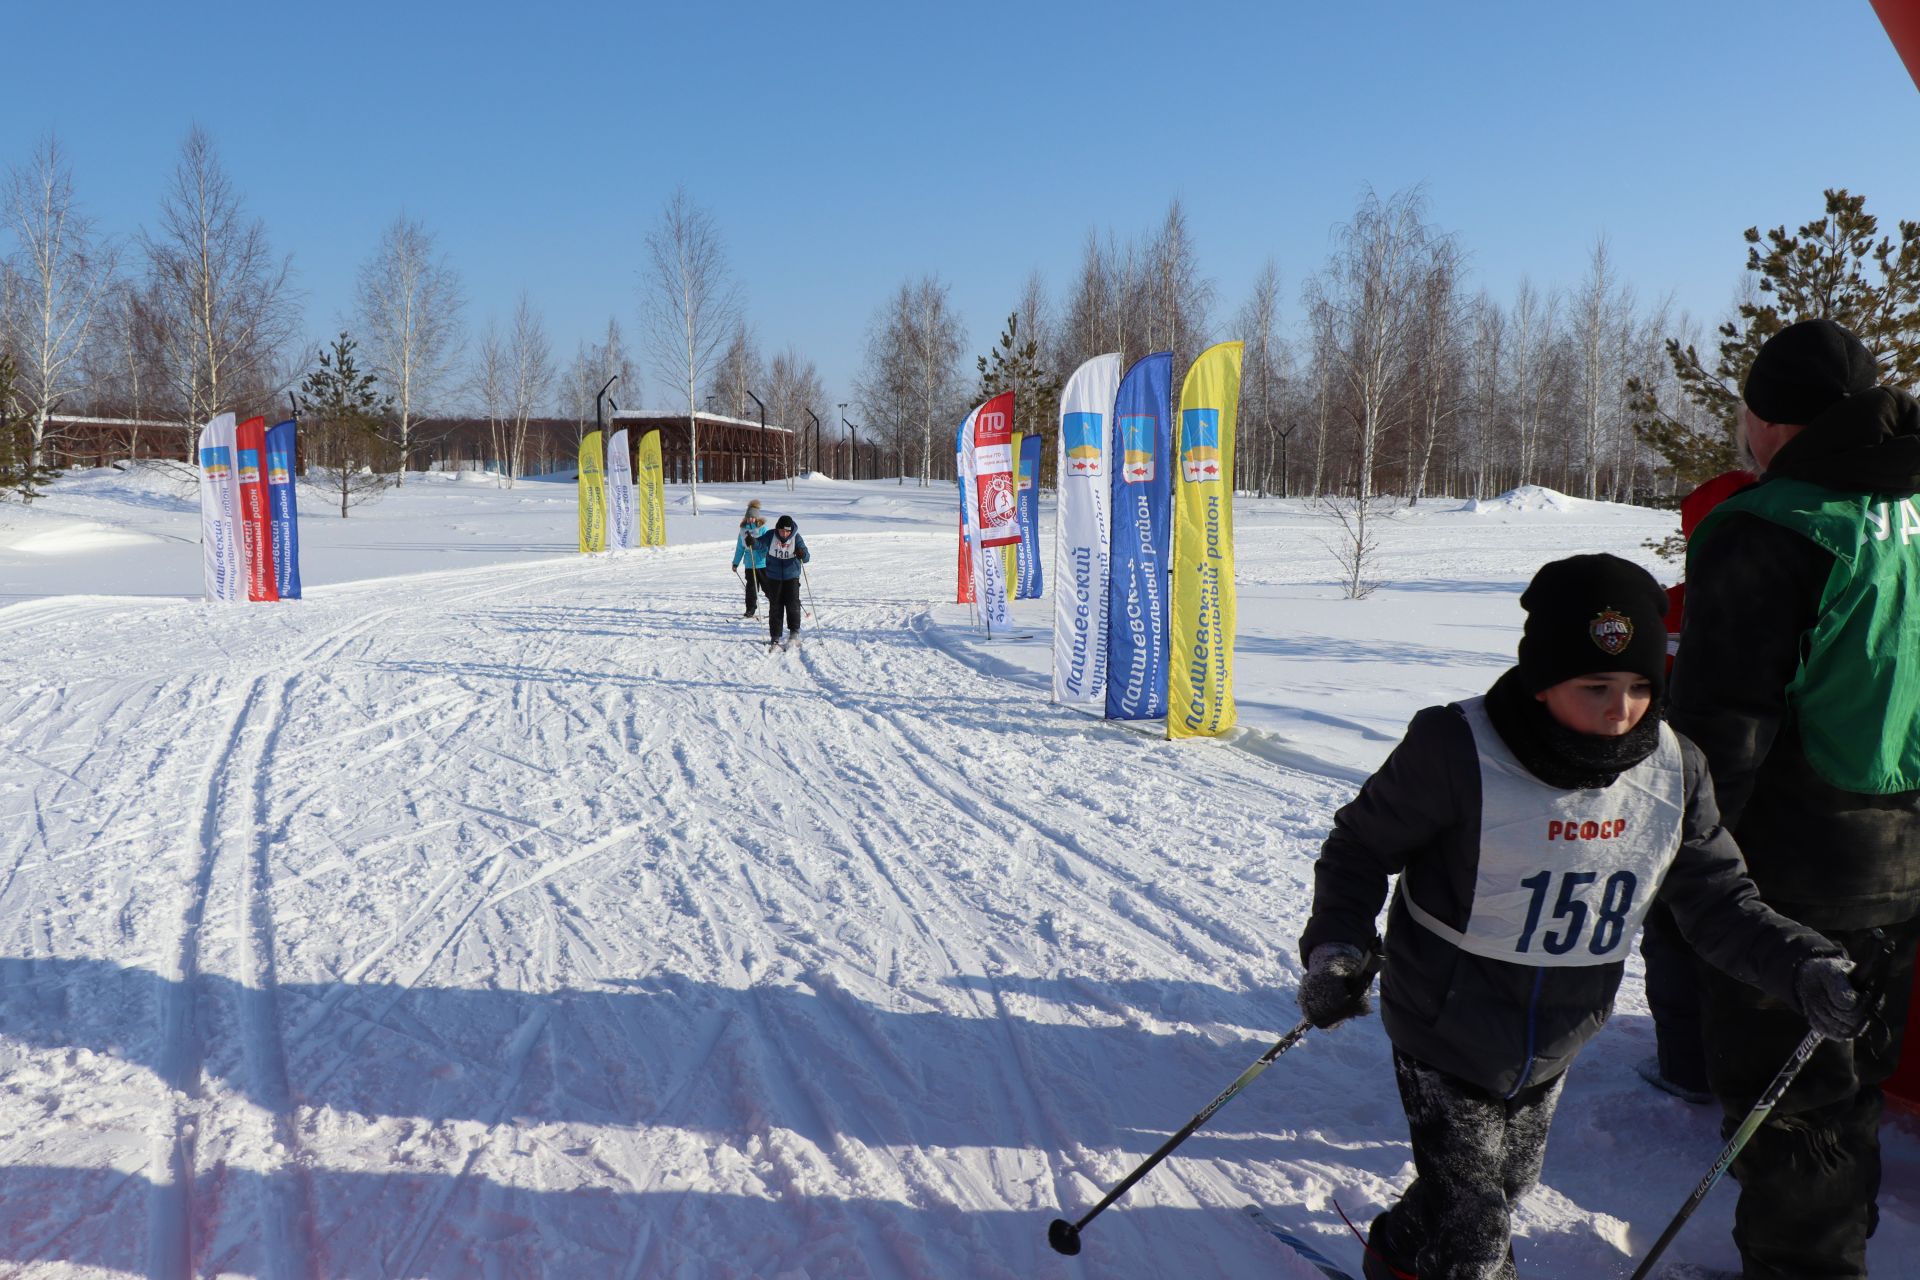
column 1064, row 1236
column 1873, row 989
column 808, row 582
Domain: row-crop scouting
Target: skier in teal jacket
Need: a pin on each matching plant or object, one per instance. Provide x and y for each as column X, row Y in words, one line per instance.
column 745, row 549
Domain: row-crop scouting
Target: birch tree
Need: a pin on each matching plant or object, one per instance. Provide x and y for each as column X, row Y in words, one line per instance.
column 884, row 386
column 488, row 385
column 1089, row 323
column 1484, row 387
column 61, row 272
column 1263, row 373
column 1368, row 300
column 594, row 363
column 793, row 390
column 409, row 301
column 528, row 376
column 1437, row 353
column 230, row 307
column 738, row 371
column 691, row 305
column 934, row 345
column 1533, row 328
column 1370, row 292
column 122, row 362
column 1176, row 297
column 1600, row 319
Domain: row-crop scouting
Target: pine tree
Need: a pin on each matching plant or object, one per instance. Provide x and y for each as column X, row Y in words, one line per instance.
column 343, row 417
column 1832, row 268
column 1014, row 365
column 20, row 475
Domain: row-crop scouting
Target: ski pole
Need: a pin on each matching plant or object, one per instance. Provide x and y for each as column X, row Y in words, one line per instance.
column 1064, row 1236
column 809, row 585
column 1873, row 992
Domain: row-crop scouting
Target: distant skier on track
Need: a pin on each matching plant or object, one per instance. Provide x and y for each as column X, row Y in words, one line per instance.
column 785, row 551
column 1531, row 827
column 745, row 551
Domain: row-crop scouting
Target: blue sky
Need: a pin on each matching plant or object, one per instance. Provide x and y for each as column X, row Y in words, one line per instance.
column 845, row 148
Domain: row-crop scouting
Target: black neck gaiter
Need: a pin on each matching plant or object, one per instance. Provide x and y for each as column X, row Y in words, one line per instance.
column 1557, row 755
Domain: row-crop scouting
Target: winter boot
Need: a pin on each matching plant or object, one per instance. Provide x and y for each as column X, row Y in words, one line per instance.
column 1649, row 1070
column 1384, row 1261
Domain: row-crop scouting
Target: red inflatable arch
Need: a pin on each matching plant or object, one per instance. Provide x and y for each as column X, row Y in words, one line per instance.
column 1901, row 18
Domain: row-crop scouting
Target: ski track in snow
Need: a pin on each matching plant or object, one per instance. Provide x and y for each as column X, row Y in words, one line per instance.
column 523, row 921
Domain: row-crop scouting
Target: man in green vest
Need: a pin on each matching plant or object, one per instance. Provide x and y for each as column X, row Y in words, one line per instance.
column 1799, row 677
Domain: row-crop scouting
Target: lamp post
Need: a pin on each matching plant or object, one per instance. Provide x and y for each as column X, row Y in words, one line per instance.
column 599, row 419
column 843, row 410
column 712, row 414
column 763, row 435
column 814, row 456
column 1283, row 458
column 854, row 432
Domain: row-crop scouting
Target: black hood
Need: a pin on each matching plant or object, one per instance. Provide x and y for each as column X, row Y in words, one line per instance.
column 1867, row 443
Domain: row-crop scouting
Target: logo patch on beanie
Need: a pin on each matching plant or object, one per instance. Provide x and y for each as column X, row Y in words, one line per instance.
column 1612, row 631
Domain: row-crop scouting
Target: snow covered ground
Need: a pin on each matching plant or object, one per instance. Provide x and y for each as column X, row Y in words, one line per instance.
column 501, row 912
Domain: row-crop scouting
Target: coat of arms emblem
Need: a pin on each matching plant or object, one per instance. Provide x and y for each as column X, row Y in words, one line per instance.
column 1612, row 631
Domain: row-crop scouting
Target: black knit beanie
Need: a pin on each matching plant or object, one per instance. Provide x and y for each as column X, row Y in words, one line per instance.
column 1804, row 370
column 785, row 522
column 1593, row 613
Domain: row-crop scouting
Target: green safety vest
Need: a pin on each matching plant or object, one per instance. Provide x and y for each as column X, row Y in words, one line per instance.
column 1856, row 696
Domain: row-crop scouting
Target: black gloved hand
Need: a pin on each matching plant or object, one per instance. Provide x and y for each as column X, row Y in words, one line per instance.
column 1335, row 987
column 1827, row 998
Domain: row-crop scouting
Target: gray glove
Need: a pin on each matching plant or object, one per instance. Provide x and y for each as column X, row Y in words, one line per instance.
column 1335, row 987
column 1827, row 997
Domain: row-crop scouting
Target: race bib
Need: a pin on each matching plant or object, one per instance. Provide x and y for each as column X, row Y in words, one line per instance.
column 1565, row 877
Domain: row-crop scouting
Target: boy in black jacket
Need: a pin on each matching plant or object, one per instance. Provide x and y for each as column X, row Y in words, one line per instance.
column 1530, row 828
column 785, row 553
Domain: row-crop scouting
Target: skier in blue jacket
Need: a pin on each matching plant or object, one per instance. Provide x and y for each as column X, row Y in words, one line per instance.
column 756, row 560
column 784, row 551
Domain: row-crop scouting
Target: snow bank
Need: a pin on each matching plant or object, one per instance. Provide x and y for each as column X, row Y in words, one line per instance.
column 1527, row 498
column 75, row 539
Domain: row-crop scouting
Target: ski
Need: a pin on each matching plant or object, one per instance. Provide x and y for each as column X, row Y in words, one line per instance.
column 1319, row 1261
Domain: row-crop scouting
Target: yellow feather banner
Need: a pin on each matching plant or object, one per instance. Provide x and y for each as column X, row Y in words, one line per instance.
column 1200, row 670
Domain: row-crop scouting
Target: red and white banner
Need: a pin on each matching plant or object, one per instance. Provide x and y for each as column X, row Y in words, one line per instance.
column 989, row 571
column 256, row 515
column 996, row 493
column 963, row 583
column 220, row 512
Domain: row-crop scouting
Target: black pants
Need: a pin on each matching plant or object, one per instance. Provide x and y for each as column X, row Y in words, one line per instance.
column 1810, row 1175
column 783, row 605
column 1474, row 1155
column 1673, row 996
column 752, row 576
